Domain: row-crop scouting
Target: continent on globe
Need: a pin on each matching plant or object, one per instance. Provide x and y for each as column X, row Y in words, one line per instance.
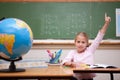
column 8, row 41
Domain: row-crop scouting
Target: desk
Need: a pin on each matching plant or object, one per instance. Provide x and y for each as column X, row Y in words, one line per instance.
column 98, row 70
column 51, row 72
column 54, row 72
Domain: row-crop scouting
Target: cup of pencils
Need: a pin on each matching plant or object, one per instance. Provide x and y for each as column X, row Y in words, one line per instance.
column 54, row 57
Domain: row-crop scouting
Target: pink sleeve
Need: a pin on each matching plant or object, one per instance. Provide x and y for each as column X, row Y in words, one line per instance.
column 94, row 45
column 68, row 58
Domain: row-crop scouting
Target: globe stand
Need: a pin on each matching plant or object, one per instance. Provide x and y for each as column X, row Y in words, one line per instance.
column 12, row 66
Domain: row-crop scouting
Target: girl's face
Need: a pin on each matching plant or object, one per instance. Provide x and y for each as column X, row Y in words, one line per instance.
column 81, row 43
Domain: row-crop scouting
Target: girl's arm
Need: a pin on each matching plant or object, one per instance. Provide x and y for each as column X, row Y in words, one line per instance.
column 68, row 59
column 106, row 24
column 100, row 35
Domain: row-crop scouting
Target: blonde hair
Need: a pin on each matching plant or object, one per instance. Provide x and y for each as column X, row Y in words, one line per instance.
column 82, row 34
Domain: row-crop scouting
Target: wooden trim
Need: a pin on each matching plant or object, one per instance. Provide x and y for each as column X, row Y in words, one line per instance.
column 71, row 42
column 59, row 0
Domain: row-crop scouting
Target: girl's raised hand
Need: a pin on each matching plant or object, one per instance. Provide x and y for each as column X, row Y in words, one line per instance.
column 106, row 24
column 107, row 18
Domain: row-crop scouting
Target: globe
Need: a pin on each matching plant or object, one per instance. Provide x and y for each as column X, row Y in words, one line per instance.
column 16, row 38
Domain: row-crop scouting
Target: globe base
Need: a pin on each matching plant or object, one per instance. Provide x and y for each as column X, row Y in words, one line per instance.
column 12, row 66
column 9, row 71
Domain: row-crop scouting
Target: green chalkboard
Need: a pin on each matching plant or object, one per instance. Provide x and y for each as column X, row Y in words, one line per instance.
column 63, row 20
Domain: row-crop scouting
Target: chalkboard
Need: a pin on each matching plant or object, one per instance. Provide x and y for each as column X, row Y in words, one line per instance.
column 63, row 20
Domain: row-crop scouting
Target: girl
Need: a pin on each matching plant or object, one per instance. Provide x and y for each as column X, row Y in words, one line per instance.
column 84, row 53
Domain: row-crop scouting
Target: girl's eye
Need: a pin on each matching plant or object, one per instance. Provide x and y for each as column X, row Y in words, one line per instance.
column 83, row 42
column 78, row 41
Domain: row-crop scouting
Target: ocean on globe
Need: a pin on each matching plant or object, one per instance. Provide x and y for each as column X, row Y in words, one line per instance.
column 16, row 38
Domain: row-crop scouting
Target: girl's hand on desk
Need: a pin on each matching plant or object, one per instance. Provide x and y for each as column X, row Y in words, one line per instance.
column 70, row 64
column 73, row 64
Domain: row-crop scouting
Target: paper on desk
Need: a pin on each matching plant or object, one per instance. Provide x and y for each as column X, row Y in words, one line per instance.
column 25, row 64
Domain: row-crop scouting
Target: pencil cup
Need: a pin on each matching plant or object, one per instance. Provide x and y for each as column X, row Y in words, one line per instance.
column 54, row 57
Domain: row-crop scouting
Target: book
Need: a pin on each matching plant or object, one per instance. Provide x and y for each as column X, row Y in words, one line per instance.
column 102, row 66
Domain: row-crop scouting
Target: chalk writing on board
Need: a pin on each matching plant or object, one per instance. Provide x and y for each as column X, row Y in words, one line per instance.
column 65, row 25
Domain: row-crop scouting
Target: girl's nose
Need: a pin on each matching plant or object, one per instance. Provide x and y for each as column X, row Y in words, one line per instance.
column 80, row 44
